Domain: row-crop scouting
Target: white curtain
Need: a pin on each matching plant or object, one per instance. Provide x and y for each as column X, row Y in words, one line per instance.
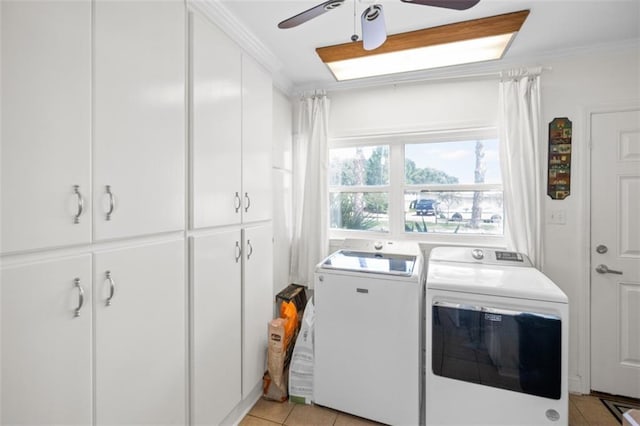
column 521, row 163
column 310, row 244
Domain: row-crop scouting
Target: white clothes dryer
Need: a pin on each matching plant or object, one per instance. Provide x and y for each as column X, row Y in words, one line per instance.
column 368, row 331
column 496, row 341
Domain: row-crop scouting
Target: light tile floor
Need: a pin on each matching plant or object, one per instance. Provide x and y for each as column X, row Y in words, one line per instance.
column 584, row 410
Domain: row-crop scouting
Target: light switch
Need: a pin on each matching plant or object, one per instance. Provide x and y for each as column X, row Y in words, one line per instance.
column 557, row 217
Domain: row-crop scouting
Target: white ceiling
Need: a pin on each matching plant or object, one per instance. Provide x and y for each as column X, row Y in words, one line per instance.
column 554, row 27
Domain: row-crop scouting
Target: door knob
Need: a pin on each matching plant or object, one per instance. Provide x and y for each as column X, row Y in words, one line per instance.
column 602, row 249
column 604, row 269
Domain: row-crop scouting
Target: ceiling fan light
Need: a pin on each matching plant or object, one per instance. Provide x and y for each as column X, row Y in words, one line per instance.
column 374, row 31
column 465, row 42
column 422, row 58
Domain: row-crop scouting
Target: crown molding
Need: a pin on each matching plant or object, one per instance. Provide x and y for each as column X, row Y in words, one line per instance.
column 239, row 33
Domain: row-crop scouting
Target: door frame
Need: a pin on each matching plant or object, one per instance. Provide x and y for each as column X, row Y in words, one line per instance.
column 582, row 383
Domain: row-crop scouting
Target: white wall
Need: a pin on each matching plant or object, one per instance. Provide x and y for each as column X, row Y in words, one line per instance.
column 282, row 224
column 416, row 106
column 573, row 87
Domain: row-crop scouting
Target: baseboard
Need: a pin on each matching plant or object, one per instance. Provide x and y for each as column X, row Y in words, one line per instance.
column 577, row 386
column 240, row 411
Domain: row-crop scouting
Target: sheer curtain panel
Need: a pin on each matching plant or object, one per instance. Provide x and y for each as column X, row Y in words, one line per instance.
column 521, row 163
column 310, row 211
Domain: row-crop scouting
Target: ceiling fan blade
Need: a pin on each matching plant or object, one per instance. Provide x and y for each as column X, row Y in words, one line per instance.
column 309, row 14
column 447, row 4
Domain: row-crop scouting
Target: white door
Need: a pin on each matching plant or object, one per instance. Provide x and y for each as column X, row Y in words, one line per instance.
column 138, row 117
column 140, row 335
column 216, row 326
column 257, row 119
column 46, row 347
column 46, row 134
column 615, row 246
column 257, row 303
column 216, row 127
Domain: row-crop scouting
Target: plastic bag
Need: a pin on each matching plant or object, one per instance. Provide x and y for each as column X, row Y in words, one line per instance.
column 302, row 360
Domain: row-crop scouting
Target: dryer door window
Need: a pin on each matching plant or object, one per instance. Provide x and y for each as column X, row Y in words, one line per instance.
column 518, row 351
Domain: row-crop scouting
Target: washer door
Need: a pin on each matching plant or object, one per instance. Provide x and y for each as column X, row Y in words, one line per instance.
column 518, row 351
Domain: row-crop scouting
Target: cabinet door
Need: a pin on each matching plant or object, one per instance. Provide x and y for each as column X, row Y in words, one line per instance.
column 139, row 117
column 46, row 348
column 258, row 303
column 216, row 326
column 46, row 135
column 257, row 94
column 216, row 126
column 140, row 335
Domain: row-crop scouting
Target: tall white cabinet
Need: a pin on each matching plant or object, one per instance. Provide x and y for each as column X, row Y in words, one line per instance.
column 257, row 303
column 128, row 129
column 138, row 117
column 46, row 342
column 257, row 121
column 231, row 208
column 101, row 103
column 216, row 331
column 231, row 98
column 140, row 334
column 93, row 92
column 46, row 115
column 216, row 120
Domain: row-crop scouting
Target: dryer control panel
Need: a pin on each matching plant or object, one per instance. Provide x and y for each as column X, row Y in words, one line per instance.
column 481, row 255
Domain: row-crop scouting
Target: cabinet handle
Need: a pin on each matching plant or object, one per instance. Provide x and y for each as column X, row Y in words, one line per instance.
column 112, row 288
column 238, row 202
column 76, row 283
column 248, row 203
column 76, row 190
column 238, row 252
column 250, row 249
column 111, row 202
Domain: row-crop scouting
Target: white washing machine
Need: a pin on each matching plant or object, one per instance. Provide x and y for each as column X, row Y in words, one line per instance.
column 496, row 341
column 368, row 331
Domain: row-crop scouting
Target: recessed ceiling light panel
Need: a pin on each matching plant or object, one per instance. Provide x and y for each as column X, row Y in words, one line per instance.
column 453, row 44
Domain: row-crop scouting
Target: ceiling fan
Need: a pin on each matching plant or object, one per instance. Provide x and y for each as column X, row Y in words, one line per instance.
column 374, row 32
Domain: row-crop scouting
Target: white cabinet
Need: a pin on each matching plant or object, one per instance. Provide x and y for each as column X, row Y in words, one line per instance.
column 223, row 269
column 75, row 110
column 257, row 119
column 231, row 163
column 46, row 115
column 216, row 264
column 140, row 335
column 257, row 303
column 216, row 158
column 138, row 117
column 46, row 348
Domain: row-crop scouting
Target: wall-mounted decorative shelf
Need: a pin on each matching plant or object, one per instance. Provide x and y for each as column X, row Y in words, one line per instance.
column 559, row 175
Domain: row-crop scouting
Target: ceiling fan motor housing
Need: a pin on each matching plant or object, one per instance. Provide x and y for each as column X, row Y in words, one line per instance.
column 374, row 31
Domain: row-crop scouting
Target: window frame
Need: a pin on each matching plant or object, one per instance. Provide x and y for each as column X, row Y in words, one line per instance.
column 397, row 187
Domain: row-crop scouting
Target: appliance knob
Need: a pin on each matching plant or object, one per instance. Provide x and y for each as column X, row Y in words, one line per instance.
column 552, row 415
column 477, row 254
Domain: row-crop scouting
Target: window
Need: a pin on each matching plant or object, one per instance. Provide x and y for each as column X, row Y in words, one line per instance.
column 435, row 184
column 359, row 181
